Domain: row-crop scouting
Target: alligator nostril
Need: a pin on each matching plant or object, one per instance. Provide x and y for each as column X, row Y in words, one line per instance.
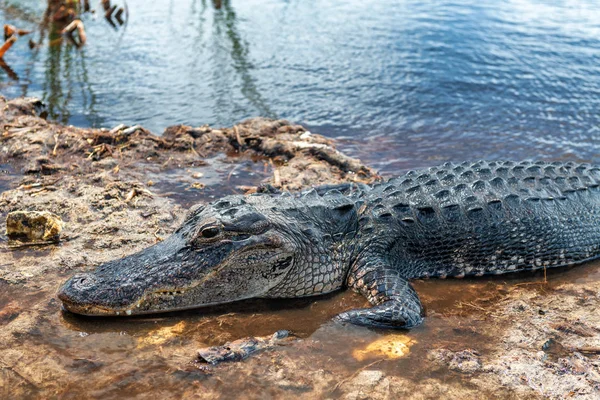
column 83, row 281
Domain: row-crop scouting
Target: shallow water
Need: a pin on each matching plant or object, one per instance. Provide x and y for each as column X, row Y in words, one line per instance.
column 111, row 358
column 221, row 176
column 6, row 175
column 404, row 83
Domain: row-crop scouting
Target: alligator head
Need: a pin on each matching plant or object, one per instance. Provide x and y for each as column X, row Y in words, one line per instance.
column 233, row 249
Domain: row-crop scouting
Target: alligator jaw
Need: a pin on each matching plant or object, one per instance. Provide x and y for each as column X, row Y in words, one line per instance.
column 98, row 311
column 88, row 310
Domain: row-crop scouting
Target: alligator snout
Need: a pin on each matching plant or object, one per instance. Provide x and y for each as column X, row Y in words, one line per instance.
column 76, row 288
column 117, row 286
column 88, row 294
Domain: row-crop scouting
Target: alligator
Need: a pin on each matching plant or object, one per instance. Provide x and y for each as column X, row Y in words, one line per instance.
column 457, row 220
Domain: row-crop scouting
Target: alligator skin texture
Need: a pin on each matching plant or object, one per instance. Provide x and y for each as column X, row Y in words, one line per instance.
column 473, row 218
column 469, row 219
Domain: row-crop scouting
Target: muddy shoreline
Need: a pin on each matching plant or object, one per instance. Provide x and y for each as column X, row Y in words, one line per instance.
column 121, row 189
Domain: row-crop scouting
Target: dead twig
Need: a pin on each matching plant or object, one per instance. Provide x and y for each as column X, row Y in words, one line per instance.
column 10, row 30
column 106, row 5
column 544, row 282
column 30, row 186
column 76, row 24
column 55, row 145
column 35, row 193
column 587, row 349
column 231, row 172
column 18, row 244
column 119, row 16
column 100, row 149
column 545, row 275
column 131, row 130
column 471, row 305
column 110, row 11
column 9, row 71
column 7, row 45
column 239, row 139
column 137, row 192
column 276, row 175
column 117, row 128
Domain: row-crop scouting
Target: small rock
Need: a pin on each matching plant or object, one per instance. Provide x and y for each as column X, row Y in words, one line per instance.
column 106, row 163
column 368, row 378
column 9, row 312
column 305, row 135
column 365, row 385
column 33, row 226
column 161, row 335
column 465, row 361
column 241, row 348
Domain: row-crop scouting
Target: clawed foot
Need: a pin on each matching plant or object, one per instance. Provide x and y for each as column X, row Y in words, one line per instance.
column 378, row 317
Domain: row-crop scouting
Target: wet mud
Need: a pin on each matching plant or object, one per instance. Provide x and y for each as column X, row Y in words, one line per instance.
column 120, row 190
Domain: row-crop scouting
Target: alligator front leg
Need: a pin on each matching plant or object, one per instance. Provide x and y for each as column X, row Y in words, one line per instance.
column 395, row 302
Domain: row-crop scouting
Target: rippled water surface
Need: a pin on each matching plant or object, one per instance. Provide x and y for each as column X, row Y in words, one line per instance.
column 404, row 83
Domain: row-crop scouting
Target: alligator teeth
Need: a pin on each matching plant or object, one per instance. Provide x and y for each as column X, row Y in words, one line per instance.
column 170, row 293
column 128, row 312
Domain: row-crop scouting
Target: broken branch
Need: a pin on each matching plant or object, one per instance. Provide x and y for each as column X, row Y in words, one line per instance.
column 7, row 45
column 76, row 24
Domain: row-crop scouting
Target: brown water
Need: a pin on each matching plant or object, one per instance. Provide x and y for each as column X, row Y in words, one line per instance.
column 223, row 175
column 115, row 358
column 6, row 176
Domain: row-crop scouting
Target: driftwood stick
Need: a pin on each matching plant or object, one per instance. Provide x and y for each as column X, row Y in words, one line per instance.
column 7, row 45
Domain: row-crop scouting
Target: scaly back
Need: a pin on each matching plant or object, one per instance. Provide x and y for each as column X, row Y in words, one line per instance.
column 487, row 217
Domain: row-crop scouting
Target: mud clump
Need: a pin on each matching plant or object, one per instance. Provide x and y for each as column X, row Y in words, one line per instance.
column 299, row 157
column 33, row 226
column 296, row 157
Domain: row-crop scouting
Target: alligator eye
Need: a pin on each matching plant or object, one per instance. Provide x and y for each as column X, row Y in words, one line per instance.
column 209, row 233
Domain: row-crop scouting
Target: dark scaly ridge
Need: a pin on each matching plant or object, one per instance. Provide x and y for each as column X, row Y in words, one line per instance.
column 469, row 198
